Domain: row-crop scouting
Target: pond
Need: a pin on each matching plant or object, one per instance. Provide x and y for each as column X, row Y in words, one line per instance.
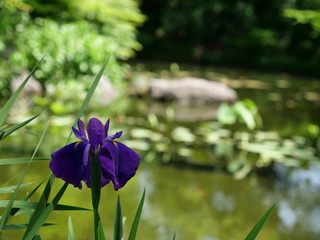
column 195, row 202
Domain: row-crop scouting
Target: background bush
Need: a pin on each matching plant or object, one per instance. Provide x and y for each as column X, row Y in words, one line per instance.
column 77, row 36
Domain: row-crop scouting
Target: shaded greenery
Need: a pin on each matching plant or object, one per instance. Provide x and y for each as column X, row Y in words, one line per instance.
column 240, row 33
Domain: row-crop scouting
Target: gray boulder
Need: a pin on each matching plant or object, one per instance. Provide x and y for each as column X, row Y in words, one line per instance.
column 105, row 92
column 191, row 90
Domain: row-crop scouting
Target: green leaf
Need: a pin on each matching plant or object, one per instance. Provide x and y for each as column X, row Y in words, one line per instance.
column 118, row 224
column 174, row 236
column 62, row 207
column 43, row 210
column 7, row 213
column 7, row 107
column 71, row 234
column 14, row 211
column 89, row 94
column 256, row 229
column 32, row 205
column 134, row 227
column 19, row 204
column 10, row 130
column 245, row 114
column 95, row 195
column 6, row 161
column 226, row 114
column 23, row 226
column 11, row 189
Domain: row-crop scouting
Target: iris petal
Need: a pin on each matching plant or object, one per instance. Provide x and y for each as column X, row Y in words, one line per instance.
column 114, row 136
column 96, row 132
column 121, row 162
column 67, row 163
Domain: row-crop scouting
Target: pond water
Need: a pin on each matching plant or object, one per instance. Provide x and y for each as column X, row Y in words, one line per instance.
column 195, row 203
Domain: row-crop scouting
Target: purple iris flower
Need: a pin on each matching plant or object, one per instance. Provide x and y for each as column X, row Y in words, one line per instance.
column 72, row 162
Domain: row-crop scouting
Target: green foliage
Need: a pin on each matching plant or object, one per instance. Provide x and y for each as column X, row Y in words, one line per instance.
column 244, row 111
column 304, row 17
column 77, row 36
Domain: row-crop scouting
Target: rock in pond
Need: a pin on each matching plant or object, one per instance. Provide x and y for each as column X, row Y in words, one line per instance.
column 188, row 90
column 191, row 90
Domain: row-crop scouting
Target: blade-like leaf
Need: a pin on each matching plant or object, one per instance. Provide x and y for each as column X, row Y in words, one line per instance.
column 43, row 209
column 22, row 226
column 100, row 232
column 136, row 220
column 11, row 189
column 71, row 234
column 33, row 205
column 14, row 211
column 174, row 236
column 62, row 207
column 89, row 94
column 6, row 108
column 95, row 194
column 7, row 213
column 118, row 224
column 6, row 161
column 3, row 127
column 256, row 229
column 10, row 130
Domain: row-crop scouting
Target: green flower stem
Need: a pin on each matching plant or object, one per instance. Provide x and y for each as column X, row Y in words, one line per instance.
column 95, row 195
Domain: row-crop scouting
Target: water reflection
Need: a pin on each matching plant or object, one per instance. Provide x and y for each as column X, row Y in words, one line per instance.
column 194, row 204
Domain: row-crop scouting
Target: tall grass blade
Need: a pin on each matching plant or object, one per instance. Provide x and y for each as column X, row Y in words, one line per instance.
column 118, row 224
column 89, row 94
column 11, row 189
column 6, row 215
column 6, row 108
column 10, row 130
column 71, row 234
column 134, row 228
column 256, row 229
column 7, row 161
column 29, row 195
column 32, row 205
column 23, row 226
column 43, row 209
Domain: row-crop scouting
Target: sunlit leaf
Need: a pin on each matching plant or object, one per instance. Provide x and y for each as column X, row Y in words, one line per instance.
column 245, row 114
column 226, row 114
column 71, row 234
